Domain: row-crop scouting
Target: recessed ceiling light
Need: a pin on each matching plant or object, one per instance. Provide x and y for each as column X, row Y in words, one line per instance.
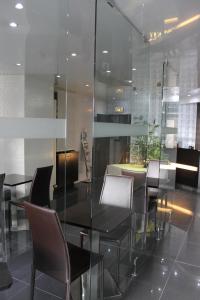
column 18, row 64
column 87, row 85
column 67, row 15
column 13, row 24
column 58, row 75
column 74, row 54
column 133, row 69
column 105, row 51
column 19, row 6
column 108, row 71
column 189, row 95
column 130, row 81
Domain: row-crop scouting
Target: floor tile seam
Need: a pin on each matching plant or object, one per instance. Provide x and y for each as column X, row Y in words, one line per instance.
column 193, row 243
column 21, row 281
column 181, row 246
column 25, row 282
column 18, row 292
column 28, row 285
column 48, row 293
column 184, row 239
column 161, row 257
column 167, row 280
column 187, row 264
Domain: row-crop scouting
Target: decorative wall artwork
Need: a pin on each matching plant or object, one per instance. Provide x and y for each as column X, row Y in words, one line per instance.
column 86, row 153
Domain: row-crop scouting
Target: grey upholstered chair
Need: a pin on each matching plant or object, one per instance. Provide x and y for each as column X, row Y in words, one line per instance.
column 52, row 255
column 116, row 191
column 153, row 176
column 153, row 182
column 139, row 178
column 143, row 205
column 155, row 192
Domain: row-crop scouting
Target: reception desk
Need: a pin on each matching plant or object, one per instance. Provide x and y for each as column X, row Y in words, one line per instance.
column 185, row 171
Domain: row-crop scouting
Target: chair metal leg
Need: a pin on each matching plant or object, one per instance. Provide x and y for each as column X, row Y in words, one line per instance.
column 130, row 244
column 9, row 216
column 101, row 279
column 81, row 240
column 33, row 271
column 158, row 233
column 135, row 266
column 82, row 235
column 67, row 292
column 118, row 261
column 145, row 230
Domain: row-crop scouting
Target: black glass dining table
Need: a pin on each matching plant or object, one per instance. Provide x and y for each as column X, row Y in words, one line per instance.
column 98, row 219
column 12, row 182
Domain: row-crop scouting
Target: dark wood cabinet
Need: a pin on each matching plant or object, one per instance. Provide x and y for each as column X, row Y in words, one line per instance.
column 114, row 118
column 187, row 157
column 66, row 168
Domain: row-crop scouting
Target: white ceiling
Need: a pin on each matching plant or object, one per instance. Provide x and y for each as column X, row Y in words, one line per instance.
column 41, row 44
column 149, row 16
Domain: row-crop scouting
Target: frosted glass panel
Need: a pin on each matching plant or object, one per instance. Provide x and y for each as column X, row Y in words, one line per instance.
column 37, row 128
column 111, row 130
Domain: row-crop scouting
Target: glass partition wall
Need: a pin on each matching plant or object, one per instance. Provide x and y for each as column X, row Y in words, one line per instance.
column 120, row 144
column 46, row 118
column 74, row 94
column 33, row 127
column 121, row 90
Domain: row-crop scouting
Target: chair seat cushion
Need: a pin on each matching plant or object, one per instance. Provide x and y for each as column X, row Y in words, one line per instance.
column 155, row 192
column 81, row 260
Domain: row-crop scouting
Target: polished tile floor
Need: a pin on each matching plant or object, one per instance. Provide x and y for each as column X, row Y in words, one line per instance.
column 166, row 269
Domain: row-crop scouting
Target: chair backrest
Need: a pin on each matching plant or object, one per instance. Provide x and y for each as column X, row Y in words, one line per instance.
column 117, row 191
column 39, row 193
column 2, row 177
column 139, row 178
column 2, row 222
column 50, row 252
column 153, row 173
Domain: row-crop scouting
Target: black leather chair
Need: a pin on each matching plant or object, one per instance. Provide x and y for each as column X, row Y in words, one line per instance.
column 39, row 192
column 52, row 255
column 5, row 276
